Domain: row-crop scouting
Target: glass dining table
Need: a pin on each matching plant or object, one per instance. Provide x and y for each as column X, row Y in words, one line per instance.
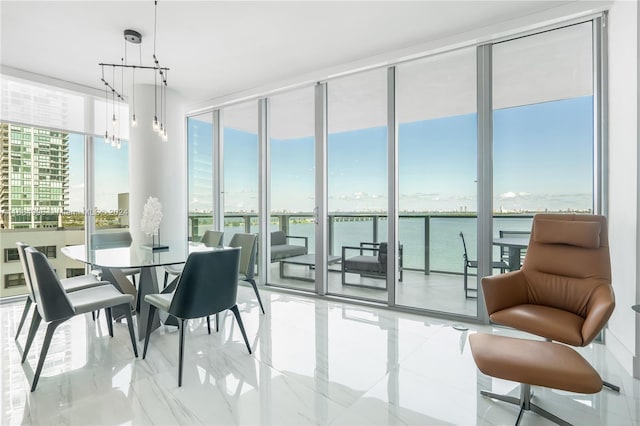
column 111, row 261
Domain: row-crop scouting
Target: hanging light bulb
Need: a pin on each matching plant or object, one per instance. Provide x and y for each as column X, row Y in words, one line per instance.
column 119, row 143
column 134, row 122
column 106, row 108
column 156, row 125
column 114, row 127
column 165, row 137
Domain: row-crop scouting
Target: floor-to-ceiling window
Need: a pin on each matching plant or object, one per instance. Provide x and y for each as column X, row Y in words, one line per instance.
column 543, row 133
column 38, row 167
column 292, row 168
column 111, row 183
column 240, row 147
column 542, row 158
column 42, row 177
column 357, row 184
column 437, row 172
column 110, row 210
column 200, row 174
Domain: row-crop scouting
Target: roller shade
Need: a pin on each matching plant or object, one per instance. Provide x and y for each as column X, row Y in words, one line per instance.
column 42, row 105
column 39, row 105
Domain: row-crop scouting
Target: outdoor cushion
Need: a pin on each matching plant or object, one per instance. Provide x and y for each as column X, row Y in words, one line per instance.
column 286, row 250
column 363, row 263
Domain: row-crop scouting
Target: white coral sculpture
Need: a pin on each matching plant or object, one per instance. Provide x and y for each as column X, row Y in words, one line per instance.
column 151, row 216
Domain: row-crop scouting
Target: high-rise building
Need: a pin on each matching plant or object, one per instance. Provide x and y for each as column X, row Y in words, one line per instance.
column 34, row 166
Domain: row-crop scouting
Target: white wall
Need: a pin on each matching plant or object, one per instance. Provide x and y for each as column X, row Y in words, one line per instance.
column 624, row 221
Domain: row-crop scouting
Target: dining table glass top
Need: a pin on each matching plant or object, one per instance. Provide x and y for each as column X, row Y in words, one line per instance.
column 135, row 255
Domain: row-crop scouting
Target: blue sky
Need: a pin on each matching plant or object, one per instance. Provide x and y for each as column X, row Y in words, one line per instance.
column 542, row 160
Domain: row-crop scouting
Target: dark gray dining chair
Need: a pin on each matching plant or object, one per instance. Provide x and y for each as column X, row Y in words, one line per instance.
column 68, row 284
column 248, row 244
column 474, row 264
column 107, row 240
column 209, row 239
column 208, row 285
column 55, row 306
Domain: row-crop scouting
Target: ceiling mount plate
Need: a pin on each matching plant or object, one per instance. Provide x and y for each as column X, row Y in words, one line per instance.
column 132, row 36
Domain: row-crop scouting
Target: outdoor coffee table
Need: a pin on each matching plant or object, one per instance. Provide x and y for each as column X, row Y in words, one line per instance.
column 306, row 260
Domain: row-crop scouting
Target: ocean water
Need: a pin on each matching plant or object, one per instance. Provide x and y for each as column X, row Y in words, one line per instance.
column 444, row 242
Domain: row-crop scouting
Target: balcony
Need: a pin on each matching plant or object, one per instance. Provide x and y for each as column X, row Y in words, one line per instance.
column 432, row 253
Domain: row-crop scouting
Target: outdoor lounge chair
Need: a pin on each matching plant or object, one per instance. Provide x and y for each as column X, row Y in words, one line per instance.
column 373, row 266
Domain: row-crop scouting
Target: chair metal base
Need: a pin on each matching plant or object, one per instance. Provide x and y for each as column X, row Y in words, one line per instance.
column 611, row 386
column 525, row 404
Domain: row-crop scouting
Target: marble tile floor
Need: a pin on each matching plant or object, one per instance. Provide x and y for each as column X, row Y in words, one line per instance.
column 314, row 362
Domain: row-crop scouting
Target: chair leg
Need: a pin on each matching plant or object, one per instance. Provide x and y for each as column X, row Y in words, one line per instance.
column 217, row 322
column 255, row 289
column 166, row 278
column 465, row 275
column 181, row 354
column 132, row 333
column 152, row 311
column 208, row 325
column 133, row 277
column 25, row 311
column 35, row 322
column 51, row 328
column 236, row 313
column 107, row 312
column 93, row 315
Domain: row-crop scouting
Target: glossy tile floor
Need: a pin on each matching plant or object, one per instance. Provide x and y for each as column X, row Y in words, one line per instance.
column 314, row 362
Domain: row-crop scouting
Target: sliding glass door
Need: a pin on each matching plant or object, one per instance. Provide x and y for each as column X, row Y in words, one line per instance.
column 437, row 174
column 291, row 147
column 543, row 140
column 357, row 185
column 240, row 187
column 200, row 174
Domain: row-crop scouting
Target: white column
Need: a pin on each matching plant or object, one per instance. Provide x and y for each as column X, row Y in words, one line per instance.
column 157, row 168
column 623, row 337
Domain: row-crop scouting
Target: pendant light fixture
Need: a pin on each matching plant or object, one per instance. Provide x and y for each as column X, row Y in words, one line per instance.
column 112, row 131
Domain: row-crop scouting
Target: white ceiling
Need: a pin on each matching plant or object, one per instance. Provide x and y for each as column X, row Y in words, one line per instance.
column 216, row 48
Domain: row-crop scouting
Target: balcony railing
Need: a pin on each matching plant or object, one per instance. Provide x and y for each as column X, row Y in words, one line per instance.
column 431, row 242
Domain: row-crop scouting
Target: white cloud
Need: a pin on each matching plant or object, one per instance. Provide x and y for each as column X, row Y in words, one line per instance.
column 511, row 194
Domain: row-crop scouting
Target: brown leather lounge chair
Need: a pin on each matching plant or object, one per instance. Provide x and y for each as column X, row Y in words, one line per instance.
column 563, row 291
